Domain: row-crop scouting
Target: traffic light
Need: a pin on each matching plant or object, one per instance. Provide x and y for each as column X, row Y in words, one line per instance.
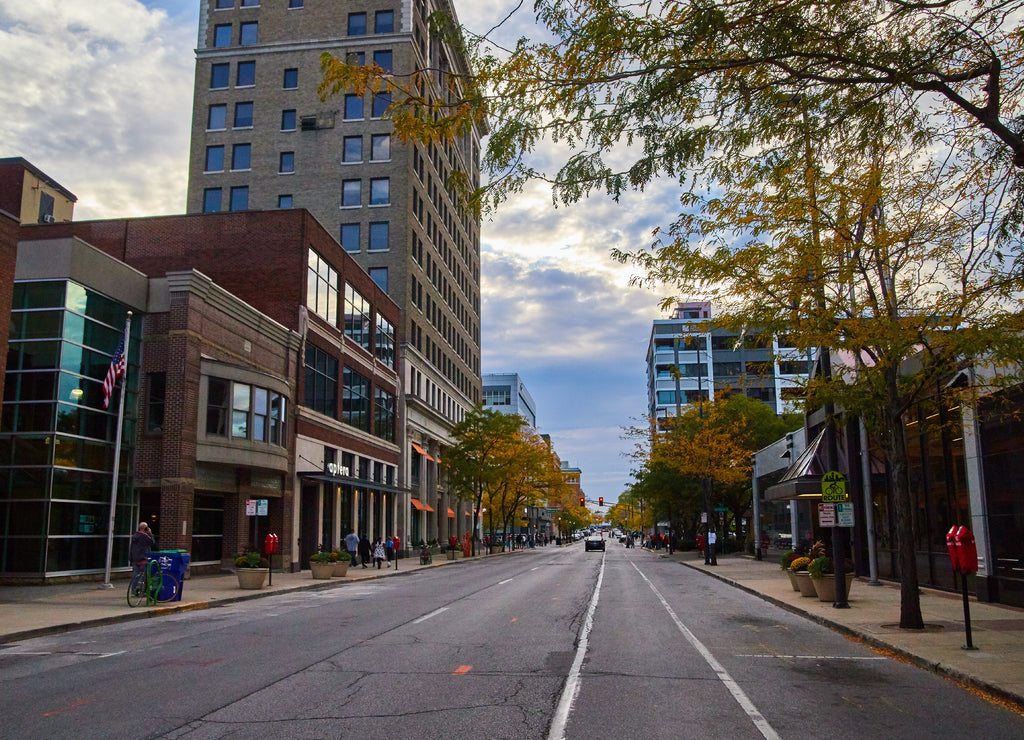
column 600, row 500
column 583, row 501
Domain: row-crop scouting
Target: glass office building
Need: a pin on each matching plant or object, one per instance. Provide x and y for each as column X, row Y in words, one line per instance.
column 56, row 439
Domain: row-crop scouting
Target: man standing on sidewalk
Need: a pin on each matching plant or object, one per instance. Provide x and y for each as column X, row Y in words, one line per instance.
column 352, row 545
column 139, row 547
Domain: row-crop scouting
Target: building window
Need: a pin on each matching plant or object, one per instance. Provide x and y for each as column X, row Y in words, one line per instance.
column 240, row 198
column 384, row 347
column 357, row 24
column 384, row 21
column 217, row 407
column 241, row 405
column 357, row 317
column 288, row 120
column 246, row 75
column 287, row 163
column 321, row 383
column 352, row 149
column 380, row 191
column 211, row 200
column 379, row 275
column 291, row 79
column 381, row 101
column 216, row 119
column 219, row 76
column 355, row 58
column 247, row 33
column 382, row 59
column 353, row 107
column 355, row 400
column 351, row 193
column 293, row 4
column 350, row 237
column 250, row 3
column 214, row 159
column 380, row 147
column 156, row 396
column 222, row 35
column 241, row 157
column 379, row 236
column 284, row 201
column 243, row 115
column 277, row 420
column 255, row 413
column 322, row 288
column 384, row 415
column 225, row 4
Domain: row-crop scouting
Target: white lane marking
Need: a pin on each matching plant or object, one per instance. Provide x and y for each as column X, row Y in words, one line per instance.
column 507, row 580
column 811, row 657
column 434, row 613
column 737, row 693
column 572, row 681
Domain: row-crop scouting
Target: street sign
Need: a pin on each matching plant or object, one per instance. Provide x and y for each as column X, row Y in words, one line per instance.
column 844, row 514
column 256, row 507
column 703, row 517
column 827, row 515
column 721, row 509
column 833, row 487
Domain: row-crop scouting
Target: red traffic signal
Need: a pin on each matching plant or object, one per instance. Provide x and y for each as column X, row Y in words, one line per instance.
column 600, row 500
column 583, row 501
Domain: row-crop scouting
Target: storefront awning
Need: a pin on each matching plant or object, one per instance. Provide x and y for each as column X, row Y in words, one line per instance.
column 419, row 505
column 451, row 514
column 347, row 480
column 803, row 478
column 421, row 451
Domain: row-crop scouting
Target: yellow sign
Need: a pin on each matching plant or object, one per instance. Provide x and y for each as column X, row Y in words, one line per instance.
column 833, row 487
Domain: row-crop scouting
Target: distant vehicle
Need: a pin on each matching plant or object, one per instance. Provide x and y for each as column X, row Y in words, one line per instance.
column 594, row 542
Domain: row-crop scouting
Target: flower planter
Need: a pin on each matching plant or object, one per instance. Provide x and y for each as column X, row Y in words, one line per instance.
column 339, row 568
column 826, row 587
column 495, row 549
column 792, row 579
column 803, row 579
column 321, row 571
column 251, row 578
column 450, row 554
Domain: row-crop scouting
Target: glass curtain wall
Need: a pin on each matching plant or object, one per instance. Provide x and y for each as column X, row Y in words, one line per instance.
column 56, row 439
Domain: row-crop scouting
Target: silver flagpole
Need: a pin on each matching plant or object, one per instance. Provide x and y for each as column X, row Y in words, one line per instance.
column 117, row 454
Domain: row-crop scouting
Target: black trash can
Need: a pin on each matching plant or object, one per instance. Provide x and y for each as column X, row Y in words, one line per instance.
column 174, row 563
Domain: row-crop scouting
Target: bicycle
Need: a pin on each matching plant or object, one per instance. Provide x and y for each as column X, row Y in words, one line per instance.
column 149, row 582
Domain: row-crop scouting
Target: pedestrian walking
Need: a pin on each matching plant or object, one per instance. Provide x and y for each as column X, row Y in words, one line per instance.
column 352, row 545
column 378, row 553
column 365, row 551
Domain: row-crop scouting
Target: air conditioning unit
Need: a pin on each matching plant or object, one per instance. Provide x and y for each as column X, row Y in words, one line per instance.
column 48, row 218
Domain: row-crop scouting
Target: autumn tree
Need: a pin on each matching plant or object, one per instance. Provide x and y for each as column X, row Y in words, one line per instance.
column 524, row 477
column 474, row 461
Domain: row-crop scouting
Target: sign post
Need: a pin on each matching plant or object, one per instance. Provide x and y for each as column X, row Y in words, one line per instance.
column 833, row 494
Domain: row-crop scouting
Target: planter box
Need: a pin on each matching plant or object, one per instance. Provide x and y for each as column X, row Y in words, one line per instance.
column 792, row 579
column 451, row 554
column 803, row 579
column 321, row 571
column 251, row 578
column 826, row 587
column 339, row 568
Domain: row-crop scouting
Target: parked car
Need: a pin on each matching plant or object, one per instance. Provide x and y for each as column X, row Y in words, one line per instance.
column 594, row 542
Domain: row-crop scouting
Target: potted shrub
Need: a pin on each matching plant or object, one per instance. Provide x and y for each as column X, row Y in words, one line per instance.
column 251, row 570
column 803, row 579
column 822, row 573
column 786, row 560
column 321, row 565
column 340, row 560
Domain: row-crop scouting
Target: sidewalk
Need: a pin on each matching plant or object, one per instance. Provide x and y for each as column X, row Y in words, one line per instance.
column 997, row 666
column 33, row 611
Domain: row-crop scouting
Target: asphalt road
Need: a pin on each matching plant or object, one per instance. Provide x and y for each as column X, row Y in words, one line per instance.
column 549, row 643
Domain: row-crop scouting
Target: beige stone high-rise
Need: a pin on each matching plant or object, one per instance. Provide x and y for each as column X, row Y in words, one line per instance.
column 262, row 140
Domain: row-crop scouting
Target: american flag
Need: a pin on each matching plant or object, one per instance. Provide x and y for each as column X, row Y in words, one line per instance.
column 118, row 366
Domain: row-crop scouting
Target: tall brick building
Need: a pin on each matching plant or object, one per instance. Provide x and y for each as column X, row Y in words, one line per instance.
column 262, row 139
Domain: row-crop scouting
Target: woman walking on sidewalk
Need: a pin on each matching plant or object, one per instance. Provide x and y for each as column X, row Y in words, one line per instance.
column 378, row 553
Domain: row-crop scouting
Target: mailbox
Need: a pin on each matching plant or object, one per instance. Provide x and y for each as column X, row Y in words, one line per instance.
column 967, row 550
column 951, row 546
column 270, row 544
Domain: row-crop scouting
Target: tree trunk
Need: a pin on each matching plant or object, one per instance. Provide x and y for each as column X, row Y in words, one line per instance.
column 903, row 510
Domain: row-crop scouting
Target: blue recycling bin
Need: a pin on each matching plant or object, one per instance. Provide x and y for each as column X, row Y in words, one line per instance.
column 173, row 563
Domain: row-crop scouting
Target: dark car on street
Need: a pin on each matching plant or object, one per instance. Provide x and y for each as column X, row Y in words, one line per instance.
column 594, row 542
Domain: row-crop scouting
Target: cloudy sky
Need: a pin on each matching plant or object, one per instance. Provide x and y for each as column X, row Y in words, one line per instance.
column 98, row 95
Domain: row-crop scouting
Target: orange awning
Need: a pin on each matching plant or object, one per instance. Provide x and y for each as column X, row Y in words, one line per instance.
column 422, row 452
column 419, row 505
column 451, row 514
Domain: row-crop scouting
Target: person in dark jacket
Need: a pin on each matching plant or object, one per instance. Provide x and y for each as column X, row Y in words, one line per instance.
column 365, row 553
column 138, row 550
